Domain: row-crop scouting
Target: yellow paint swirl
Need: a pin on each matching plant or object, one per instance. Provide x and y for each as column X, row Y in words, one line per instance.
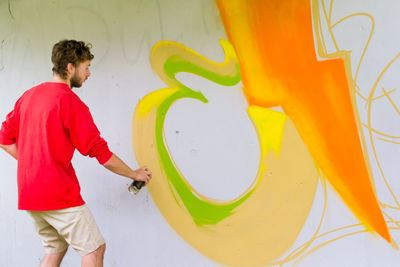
column 262, row 223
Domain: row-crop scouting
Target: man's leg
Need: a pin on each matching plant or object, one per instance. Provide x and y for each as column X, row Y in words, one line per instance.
column 95, row 258
column 54, row 245
column 52, row 260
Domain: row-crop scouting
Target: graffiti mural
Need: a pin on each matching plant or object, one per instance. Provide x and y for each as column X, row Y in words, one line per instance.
column 239, row 230
column 318, row 137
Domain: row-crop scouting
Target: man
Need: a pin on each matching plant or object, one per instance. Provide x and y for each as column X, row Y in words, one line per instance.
column 47, row 124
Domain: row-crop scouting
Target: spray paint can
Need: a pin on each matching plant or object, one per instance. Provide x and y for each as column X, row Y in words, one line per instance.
column 135, row 187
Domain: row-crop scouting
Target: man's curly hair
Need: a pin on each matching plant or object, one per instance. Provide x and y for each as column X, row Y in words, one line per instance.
column 69, row 51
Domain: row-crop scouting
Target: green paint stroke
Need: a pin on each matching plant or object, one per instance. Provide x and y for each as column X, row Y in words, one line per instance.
column 168, row 59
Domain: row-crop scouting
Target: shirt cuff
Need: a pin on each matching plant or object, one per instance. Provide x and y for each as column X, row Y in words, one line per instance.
column 4, row 140
column 103, row 158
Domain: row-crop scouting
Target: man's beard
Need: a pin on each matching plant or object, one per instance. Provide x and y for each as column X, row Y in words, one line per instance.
column 75, row 82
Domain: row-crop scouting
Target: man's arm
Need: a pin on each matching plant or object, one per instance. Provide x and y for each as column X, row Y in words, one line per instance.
column 11, row 149
column 117, row 166
column 86, row 138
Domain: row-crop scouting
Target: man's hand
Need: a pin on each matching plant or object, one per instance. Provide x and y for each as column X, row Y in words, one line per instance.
column 11, row 149
column 116, row 165
column 143, row 174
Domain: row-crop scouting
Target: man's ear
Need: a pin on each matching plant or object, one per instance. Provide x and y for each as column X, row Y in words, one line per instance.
column 70, row 68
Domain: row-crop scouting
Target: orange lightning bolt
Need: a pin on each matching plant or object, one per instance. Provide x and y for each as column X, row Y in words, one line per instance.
column 274, row 43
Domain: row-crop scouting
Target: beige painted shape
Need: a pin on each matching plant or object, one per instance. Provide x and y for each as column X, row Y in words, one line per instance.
column 265, row 226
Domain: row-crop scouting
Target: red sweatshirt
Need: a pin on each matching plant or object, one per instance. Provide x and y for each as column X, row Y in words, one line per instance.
column 48, row 122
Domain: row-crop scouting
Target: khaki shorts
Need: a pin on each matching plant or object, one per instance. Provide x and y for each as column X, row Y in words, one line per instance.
column 73, row 226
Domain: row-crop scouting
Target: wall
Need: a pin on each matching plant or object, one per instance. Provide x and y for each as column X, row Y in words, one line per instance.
column 214, row 145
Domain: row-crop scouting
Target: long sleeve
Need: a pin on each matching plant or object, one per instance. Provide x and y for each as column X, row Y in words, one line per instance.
column 82, row 130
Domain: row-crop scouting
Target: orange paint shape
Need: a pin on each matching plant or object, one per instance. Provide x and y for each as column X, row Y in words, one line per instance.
column 274, row 43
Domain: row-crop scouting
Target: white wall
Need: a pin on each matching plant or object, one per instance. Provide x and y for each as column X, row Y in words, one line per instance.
column 122, row 34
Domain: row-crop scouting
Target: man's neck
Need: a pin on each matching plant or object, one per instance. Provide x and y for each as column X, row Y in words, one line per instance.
column 58, row 79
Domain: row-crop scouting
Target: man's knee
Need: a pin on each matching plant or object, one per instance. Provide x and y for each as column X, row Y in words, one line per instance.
column 97, row 252
column 53, row 259
column 94, row 258
column 101, row 250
